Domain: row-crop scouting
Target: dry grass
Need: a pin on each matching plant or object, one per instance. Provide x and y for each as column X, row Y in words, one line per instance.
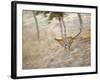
column 47, row 53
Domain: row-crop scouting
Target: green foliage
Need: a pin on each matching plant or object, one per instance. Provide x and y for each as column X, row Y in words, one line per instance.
column 42, row 12
column 51, row 14
column 55, row 15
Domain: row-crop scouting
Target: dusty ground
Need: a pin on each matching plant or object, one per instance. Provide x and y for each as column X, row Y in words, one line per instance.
column 48, row 53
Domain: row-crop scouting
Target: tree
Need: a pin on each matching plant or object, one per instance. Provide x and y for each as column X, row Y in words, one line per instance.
column 35, row 13
column 60, row 17
column 37, row 25
column 69, row 40
column 81, row 25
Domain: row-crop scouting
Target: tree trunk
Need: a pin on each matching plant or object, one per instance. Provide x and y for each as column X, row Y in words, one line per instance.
column 65, row 35
column 61, row 29
column 80, row 20
column 37, row 26
column 63, row 32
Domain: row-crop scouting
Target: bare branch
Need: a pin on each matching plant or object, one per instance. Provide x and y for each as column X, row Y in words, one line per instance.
column 81, row 25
